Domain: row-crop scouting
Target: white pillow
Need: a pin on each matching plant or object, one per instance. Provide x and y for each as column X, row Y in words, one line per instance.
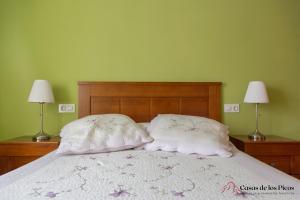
column 101, row 133
column 189, row 134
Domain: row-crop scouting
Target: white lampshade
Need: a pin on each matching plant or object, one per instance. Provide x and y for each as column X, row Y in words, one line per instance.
column 256, row 93
column 41, row 92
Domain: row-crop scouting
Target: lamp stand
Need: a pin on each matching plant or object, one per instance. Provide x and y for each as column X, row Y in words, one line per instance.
column 41, row 136
column 256, row 135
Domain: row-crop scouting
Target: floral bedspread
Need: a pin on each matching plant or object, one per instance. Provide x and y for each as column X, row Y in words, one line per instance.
column 137, row 174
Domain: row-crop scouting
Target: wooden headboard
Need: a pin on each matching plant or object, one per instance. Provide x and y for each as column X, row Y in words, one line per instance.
column 142, row 101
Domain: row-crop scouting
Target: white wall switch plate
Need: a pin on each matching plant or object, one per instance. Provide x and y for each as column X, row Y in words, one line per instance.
column 66, row 108
column 231, row 108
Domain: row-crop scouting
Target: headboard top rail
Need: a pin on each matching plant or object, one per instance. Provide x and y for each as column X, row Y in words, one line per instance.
column 146, row 83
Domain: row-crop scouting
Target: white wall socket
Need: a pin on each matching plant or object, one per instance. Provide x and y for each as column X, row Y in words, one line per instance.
column 66, row 108
column 231, row 108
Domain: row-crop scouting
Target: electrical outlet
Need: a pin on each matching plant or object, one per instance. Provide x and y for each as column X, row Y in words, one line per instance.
column 231, row 108
column 66, row 108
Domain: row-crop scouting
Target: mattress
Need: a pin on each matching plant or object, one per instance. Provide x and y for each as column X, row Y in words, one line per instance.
column 140, row 174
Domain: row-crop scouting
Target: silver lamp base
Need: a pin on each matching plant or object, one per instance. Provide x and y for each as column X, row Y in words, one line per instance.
column 41, row 136
column 256, row 136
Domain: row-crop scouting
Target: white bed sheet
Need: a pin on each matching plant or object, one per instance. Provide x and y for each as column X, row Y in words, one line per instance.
column 241, row 160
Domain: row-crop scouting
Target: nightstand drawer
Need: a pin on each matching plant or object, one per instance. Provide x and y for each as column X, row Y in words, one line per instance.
column 18, row 161
column 17, row 152
column 26, row 149
column 296, row 165
column 296, row 176
column 4, row 167
column 279, row 162
column 7, row 163
column 271, row 149
column 281, row 153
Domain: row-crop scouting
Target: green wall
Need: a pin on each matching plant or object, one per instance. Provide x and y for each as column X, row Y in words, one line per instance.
column 232, row 41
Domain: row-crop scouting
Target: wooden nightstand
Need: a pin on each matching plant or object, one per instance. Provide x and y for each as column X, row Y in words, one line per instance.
column 281, row 153
column 19, row 151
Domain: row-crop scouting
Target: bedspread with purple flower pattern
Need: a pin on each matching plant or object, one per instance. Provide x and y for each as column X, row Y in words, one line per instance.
column 136, row 174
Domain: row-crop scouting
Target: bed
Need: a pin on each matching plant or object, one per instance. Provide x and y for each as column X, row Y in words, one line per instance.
column 140, row 174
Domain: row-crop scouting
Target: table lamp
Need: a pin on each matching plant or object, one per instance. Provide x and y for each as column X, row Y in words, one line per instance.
column 41, row 92
column 256, row 93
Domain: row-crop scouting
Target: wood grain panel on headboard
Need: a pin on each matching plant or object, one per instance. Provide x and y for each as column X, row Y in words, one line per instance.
column 142, row 101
